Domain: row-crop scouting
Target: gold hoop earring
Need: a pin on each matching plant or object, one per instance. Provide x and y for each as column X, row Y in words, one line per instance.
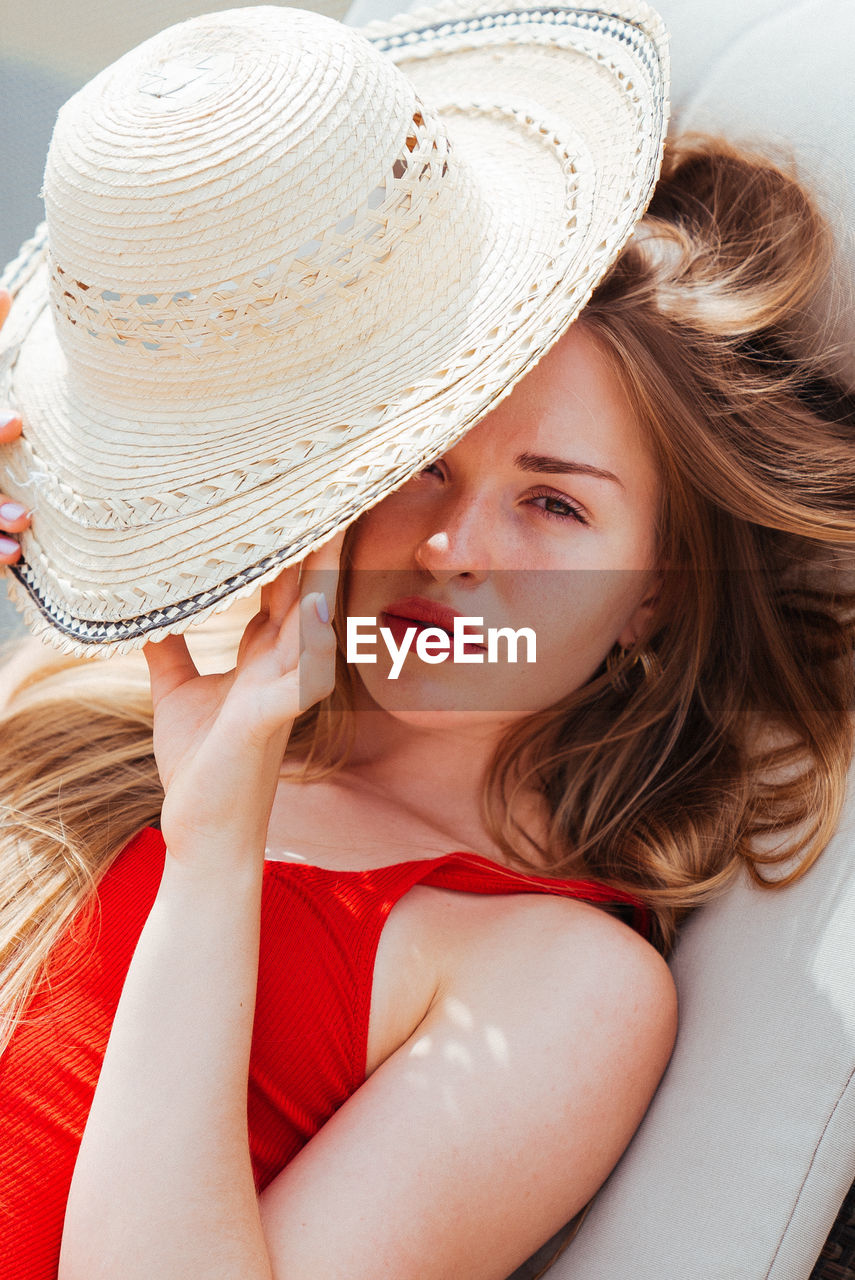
column 650, row 664
column 618, row 670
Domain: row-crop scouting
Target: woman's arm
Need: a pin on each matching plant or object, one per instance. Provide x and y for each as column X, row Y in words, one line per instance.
column 163, row 1184
column 501, row 1115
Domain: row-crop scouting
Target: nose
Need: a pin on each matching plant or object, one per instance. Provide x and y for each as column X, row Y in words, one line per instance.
column 457, row 545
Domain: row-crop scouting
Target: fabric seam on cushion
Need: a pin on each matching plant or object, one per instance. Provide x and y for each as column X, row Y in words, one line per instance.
column 841, row 1096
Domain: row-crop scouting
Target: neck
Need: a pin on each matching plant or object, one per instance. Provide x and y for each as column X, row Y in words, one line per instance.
column 433, row 766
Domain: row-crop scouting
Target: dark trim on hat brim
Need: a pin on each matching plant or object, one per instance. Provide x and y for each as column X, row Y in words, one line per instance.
column 95, row 632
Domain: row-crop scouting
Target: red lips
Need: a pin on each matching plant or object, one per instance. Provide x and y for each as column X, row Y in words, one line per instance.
column 418, row 609
column 427, row 613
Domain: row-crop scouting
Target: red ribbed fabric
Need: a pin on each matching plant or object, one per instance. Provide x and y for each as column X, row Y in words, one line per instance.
column 319, row 936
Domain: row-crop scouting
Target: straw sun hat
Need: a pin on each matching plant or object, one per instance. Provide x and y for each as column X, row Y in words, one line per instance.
column 286, row 264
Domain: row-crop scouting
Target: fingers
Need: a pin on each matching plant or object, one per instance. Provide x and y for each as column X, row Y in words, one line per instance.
column 259, row 623
column 10, row 422
column 10, row 426
column 318, row 571
column 14, row 518
column 317, row 658
column 169, row 665
column 10, row 551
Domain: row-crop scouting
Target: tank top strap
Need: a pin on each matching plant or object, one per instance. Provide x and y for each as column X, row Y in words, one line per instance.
column 372, row 893
column 473, row 873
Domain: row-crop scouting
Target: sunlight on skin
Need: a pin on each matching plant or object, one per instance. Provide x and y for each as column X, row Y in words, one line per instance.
column 468, row 532
column 497, row 1043
column 490, row 1041
column 456, row 1052
column 458, row 1013
column 451, row 1103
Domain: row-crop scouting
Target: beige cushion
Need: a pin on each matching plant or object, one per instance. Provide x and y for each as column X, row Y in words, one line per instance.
column 748, row 1149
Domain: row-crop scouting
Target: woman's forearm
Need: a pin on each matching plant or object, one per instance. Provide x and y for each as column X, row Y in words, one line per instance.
column 163, row 1183
column 163, row 1186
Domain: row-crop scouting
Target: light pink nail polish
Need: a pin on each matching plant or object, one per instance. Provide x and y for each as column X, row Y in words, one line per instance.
column 12, row 511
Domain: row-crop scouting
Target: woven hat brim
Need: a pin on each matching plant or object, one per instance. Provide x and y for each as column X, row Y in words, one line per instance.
column 132, row 545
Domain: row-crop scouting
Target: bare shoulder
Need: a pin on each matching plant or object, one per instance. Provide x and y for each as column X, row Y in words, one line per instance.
column 570, row 940
column 567, row 971
column 545, row 973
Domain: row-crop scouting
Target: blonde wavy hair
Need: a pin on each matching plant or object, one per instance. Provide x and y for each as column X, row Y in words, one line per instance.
column 666, row 776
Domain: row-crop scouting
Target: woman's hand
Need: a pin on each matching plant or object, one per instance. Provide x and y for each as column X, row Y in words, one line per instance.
column 14, row 517
column 219, row 739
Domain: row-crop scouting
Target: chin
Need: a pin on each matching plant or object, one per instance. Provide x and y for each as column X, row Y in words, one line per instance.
column 450, row 717
column 429, row 705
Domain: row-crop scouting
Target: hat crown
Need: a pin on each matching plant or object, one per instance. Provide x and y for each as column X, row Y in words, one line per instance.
column 187, row 78
column 227, row 172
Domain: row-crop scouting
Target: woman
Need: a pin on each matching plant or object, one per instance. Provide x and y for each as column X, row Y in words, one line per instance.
column 692, row 690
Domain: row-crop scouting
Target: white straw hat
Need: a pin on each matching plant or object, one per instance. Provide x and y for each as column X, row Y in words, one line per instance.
column 282, row 272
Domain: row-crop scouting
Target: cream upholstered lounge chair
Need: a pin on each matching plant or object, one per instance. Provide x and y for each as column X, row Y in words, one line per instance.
column 747, row 1152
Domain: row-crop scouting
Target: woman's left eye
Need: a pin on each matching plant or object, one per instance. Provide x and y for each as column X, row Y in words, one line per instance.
column 560, row 508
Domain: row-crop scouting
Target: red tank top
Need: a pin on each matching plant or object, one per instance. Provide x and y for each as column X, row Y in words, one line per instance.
column 319, row 936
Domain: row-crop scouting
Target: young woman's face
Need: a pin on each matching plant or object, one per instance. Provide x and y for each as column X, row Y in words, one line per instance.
column 543, row 516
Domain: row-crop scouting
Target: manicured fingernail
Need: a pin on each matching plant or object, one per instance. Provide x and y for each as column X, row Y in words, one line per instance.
column 7, row 546
column 321, row 607
column 7, row 416
column 12, row 511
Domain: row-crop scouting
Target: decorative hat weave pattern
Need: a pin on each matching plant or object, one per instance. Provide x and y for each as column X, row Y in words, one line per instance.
column 286, row 263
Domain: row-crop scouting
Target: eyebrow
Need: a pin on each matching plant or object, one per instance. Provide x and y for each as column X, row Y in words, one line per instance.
column 562, row 466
